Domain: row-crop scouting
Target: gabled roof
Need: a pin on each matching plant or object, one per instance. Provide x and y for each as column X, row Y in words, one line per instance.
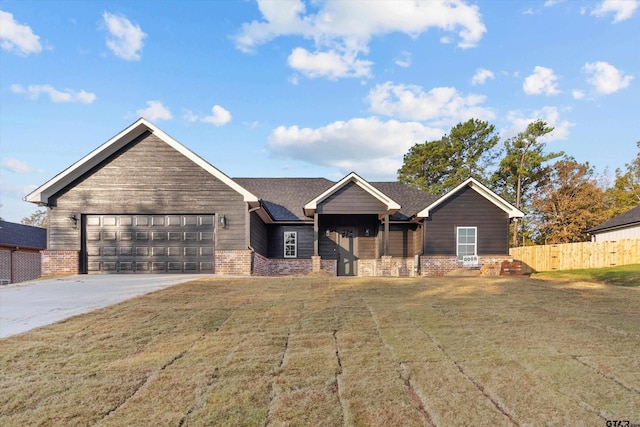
column 20, row 235
column 41, row 194
column 480, row 189
column 283, row 198
column 392, row 206
column 625, row 219
column 412, row 200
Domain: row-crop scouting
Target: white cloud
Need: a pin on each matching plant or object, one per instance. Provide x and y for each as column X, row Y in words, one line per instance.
column 155, row 111
column 542, row 81
column 68, row 95
column 481, row 76
column 126, row 39
column 577, row 94
column 365, row 145
column 623, row 9
column 16, row 166
column 18, row 38
column 606, row 78
column 442, row 105
column 550, row 115
column 331, row 64
column 219, row 116
column 403, row 60
column 341, row 30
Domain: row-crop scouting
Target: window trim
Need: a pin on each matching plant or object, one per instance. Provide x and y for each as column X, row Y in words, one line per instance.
column 475, row 243
column 294, row 245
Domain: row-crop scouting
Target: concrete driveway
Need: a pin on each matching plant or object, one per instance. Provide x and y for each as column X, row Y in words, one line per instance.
column 28, row 305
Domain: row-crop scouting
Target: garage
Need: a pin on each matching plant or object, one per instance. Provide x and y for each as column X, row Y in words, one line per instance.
column 148, row 243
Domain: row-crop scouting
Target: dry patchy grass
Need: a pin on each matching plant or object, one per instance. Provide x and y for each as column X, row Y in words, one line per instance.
column 331, row 351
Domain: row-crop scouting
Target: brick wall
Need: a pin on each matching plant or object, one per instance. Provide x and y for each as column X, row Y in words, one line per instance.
column 260, row 265
column 499, row 265
column 237, row 262
column 386, row 267
column 55, row 263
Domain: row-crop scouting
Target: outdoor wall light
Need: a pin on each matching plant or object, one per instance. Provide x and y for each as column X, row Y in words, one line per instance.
column 73, row 220
column 223, row 221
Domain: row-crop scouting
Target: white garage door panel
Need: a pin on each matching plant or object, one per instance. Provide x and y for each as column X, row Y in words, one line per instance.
column 149, row 243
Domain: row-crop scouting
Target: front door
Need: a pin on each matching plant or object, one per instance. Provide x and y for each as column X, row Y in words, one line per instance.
column 347, row 249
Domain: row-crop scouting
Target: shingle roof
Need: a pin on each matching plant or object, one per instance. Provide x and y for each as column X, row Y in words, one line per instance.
column 411, row 200
column 25, row 236
column 627, row 218
column 284, row 198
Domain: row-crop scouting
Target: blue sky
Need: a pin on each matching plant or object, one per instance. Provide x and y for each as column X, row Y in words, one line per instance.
column 310, row 89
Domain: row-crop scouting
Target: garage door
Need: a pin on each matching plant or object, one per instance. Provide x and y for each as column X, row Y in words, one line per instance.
column 149, row 243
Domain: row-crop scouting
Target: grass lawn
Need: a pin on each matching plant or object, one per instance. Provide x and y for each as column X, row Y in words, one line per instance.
column 333, row 352
column 625, row 275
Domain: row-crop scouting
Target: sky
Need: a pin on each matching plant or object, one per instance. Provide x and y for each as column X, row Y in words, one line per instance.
column 310, row 88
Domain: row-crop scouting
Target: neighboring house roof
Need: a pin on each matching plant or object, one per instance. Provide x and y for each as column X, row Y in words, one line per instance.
column 482, row 190
column 626, row 219
column 392, row 205
column 20, row 235
column 41, row 194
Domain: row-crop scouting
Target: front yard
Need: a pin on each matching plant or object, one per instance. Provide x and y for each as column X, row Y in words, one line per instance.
column 333, row 351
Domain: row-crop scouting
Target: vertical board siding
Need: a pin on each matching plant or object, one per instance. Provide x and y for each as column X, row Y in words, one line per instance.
column 469, row 209
column 351, row 199
column 571, row 256
column 401, row 240
column 147, row 177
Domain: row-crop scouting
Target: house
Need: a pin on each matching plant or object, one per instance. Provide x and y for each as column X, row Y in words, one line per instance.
column 144, row 203
column 20, row 247
column 624, row 226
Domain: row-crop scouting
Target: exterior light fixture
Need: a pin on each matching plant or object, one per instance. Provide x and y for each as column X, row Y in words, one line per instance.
column 73, row 220
column 223, row 221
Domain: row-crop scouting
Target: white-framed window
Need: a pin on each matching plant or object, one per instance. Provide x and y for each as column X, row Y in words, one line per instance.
column 466, row 241
column 290, row 244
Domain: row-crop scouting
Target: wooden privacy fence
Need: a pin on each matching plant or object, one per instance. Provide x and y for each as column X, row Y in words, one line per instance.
column 571, row 256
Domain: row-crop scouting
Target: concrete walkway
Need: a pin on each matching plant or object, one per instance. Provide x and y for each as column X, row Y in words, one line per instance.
column 28, row 305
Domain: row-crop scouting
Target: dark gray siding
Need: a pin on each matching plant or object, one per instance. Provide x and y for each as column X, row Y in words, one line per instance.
column 351, row 199
column 275, row 240
column 258, row 234
column 470, row 209
column 147, row 176
column 401, row 240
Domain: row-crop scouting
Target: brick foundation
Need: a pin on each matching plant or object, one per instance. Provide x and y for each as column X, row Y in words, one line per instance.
column 233, row 262
column 295, row 266
column 491, row 265
column 56, row 263
column 387, row 266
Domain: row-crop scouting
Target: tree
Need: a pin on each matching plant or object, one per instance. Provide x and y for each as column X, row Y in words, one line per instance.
column 569, row 202
column 438, row 166
column 625, row 193
column 37, row 219
column 523, row 166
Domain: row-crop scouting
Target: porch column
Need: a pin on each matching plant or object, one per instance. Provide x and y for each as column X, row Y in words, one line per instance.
column 386, row 234
column 316, row 235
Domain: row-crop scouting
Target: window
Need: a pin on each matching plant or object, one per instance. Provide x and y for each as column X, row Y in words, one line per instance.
column 467, row 241
column 290, row 244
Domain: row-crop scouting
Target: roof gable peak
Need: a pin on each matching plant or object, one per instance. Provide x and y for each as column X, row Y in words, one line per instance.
column 41, row 194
